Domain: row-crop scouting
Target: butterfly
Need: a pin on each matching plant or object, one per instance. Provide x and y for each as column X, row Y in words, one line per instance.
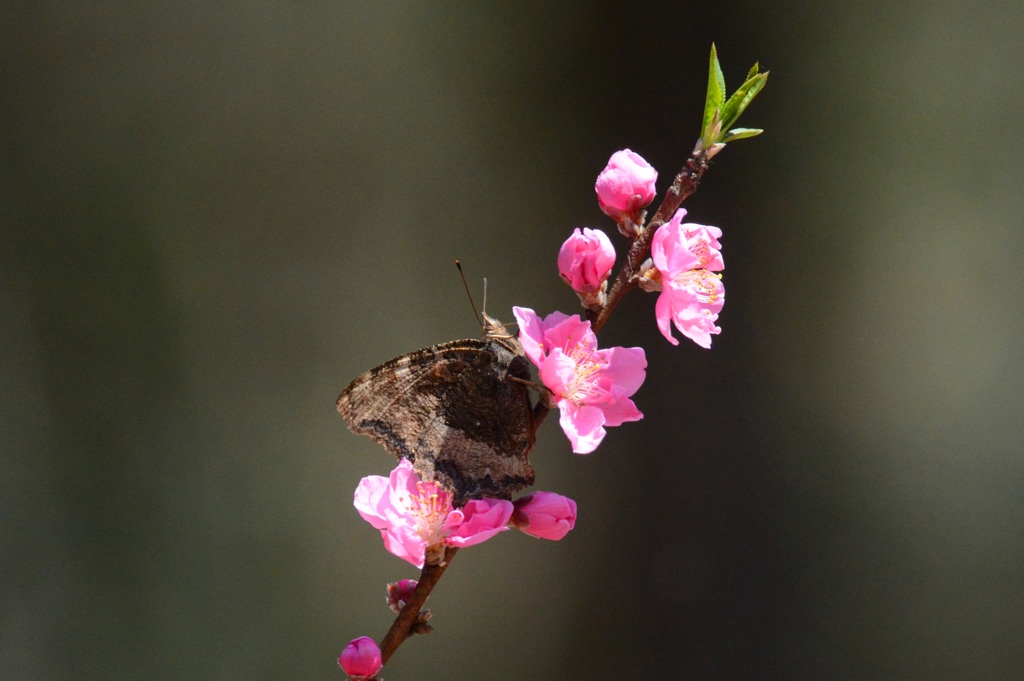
column 460, row 412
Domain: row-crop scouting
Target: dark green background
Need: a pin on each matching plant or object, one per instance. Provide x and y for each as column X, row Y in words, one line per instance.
column 215, row 215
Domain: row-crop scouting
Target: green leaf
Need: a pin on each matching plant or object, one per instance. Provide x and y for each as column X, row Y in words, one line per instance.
column 752, row 72
column 740, row 133
column 715, row 70
column 741, row 98
column 716, row 93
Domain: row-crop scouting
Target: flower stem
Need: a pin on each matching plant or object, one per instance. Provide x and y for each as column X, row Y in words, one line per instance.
column 402, row 627
column 683, row 186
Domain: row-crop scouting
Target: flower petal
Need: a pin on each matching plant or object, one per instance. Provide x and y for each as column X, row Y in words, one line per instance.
column 626, row 367
column 583, row 425
column 404, row 542
column 557, row 372
column 697, row 324
column 372, row 490
column 481, row 520
column 568, row 332
column 669, row 248
column 531, row 333
column 663, row 314
column 620, row 410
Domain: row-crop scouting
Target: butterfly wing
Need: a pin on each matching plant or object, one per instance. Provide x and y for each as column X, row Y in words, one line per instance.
column 454, row 411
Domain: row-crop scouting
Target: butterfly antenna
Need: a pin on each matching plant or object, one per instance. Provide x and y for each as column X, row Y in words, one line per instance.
column 470, row 295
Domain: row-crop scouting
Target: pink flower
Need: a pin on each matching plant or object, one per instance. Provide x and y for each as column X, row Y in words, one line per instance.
column 361, row 658
column 687, row 257
column 626, row 185
column 586, row 259
column 545, row 514
column 413, row 515
column 591, row 387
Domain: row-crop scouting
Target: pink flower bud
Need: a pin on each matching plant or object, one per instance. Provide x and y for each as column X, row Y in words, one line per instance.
column 625, row 185
column 400, row 592
column 545, row 514
column 586, row 259
column 361, row 658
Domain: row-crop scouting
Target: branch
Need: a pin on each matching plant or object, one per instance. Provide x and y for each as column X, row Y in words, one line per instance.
column 402, row 627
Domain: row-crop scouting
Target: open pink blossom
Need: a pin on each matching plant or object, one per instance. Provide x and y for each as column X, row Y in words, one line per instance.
column 544, row 514
column 361, row 658
column 413, row 515
column 688, row 256
column 626, row 185
column 591, row 387
column 586, row 259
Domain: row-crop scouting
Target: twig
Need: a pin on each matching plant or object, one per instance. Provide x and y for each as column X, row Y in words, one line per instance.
column 402, row 627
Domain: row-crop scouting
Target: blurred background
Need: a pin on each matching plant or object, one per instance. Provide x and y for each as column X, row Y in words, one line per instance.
column 215, row 215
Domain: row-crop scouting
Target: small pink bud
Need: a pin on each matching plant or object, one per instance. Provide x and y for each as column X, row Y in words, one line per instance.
column 585, row 259
column 545, row 514
column 400, row 592
column 361, row 658
column 625, row 186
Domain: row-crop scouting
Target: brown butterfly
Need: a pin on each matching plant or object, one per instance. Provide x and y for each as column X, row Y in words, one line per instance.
column 459, row 411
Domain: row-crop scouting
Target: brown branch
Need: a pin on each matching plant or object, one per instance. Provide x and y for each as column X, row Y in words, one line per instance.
column 402, row 627
column 683, row 186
